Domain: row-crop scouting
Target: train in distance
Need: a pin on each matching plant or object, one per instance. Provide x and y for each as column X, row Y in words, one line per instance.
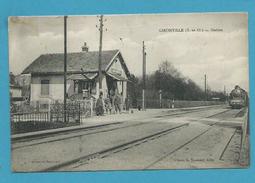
column 238, row 98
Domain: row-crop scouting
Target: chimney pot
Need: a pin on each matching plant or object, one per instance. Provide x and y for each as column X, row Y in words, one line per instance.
column 85, row 48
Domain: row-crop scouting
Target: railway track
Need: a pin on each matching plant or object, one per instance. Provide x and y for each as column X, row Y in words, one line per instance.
column 132, row 144
column 75, row 135
column 217, row 114
column 115, row 149
column 41, row 139
column 181, row 112
column 65, row 132
column 120, row 148
column 224, row 150
column 180, row 147
column 16, row 139
column 199, row 135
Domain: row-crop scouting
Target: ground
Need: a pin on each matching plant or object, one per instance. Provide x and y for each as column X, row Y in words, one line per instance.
column 203, row 137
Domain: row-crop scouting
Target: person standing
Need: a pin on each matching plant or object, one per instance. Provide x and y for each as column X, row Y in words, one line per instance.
column 112, row 99
column 127, row 103
column 100, row 105
column 117, row 103
column 108, row 106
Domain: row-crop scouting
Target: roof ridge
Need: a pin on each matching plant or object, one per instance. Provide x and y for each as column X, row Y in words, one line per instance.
column 78, row 52
column 53, row 62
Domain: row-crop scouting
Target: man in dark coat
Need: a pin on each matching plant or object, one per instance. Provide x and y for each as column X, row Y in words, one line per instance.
column 100, row 105
column 117, row 103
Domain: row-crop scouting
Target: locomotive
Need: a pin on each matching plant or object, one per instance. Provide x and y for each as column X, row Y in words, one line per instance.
column 238, row 98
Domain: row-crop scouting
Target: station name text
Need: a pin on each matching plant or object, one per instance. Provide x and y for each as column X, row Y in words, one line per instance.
column 190, row 30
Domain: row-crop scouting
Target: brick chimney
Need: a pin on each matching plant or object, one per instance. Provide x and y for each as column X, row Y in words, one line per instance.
column 85, row 48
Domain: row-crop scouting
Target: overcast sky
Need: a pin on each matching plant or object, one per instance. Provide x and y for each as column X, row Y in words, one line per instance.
column 222, row 54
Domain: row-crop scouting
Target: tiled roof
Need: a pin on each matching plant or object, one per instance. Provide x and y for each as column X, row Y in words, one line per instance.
column 54, row 63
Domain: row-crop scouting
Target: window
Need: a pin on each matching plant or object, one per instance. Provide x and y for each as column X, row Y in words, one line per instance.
column 44, row 106
column 45, row 87
column 86, row 85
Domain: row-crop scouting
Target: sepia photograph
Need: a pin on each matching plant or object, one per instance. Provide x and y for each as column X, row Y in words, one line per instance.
column 129, row 92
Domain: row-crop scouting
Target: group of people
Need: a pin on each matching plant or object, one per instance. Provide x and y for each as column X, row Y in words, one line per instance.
column 112, row 103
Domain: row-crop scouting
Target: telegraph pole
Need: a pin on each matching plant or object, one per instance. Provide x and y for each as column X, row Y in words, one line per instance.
column 100, row 52
column 225, row 97
column 65, row 63
column 160, row 98
column 144, row 76
column 205, row 89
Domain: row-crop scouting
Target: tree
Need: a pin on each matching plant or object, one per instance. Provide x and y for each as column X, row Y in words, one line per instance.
column 167, row 67
column 172, row 84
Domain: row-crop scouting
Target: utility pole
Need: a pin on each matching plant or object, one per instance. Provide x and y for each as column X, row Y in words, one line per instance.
column 65, row 63
column 160, row 92
column 225, row 97
column 160, row 98
column 205, row 89
column 101, row 25
column 144, row 75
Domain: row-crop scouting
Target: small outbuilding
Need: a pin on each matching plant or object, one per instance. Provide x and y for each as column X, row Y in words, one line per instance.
column 16, row 93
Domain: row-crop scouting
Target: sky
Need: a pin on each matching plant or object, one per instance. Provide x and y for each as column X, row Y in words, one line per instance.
column 220, row 51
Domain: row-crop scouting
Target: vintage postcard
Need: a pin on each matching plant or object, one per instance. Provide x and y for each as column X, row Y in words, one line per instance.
column 129, row 92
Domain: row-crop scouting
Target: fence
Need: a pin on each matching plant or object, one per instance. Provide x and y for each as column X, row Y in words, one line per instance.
column 24, row 122
column 76, row 111
column 168, row 103
column 30, row 117
column 45, row 111
column 22, row 107
column 30, row 107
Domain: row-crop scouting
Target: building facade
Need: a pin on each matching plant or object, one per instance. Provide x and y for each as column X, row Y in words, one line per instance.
column 47, row 76
column 16, row 93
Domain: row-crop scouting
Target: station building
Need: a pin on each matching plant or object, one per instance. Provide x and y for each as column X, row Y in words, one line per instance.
column 47, row 75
